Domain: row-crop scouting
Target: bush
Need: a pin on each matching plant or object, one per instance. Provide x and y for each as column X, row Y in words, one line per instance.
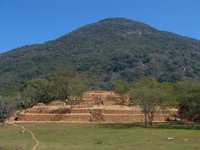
column 6, row 108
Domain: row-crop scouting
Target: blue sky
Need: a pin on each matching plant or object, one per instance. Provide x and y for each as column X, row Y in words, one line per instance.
column 24, row 22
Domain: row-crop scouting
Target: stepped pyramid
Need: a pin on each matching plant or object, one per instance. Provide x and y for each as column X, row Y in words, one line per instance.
column 95, row 107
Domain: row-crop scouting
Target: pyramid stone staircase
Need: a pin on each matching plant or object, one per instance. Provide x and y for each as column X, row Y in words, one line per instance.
column 96, row 107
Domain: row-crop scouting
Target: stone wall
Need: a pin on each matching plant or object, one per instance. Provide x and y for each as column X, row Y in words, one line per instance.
column 116, row 114
column 96, row 107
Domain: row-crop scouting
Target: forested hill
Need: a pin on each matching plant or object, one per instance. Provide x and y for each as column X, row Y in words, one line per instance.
column 113, row 48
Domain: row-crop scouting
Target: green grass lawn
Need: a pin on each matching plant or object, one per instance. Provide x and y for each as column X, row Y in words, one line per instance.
column 98, row 137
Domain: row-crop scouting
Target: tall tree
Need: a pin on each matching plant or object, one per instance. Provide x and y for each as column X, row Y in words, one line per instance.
column 6, row 108
column 35, row 91
column 68, row 85
column 188, row 96
column 151, row 96
column 62, row 86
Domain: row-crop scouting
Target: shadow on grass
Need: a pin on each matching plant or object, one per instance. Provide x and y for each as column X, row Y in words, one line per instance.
column 169, row 125
column 120, row 126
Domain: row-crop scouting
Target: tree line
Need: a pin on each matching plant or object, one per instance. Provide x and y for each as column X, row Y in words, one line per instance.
column 148, row 93
column 152, row 95
column 66, row 86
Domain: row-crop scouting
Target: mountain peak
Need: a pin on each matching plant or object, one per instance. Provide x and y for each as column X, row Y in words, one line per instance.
column 116, row 20
column 112, row 48
column 117, row 27
column 125, row 22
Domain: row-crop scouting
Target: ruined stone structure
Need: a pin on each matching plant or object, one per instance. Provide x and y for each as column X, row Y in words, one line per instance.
column 95, row 107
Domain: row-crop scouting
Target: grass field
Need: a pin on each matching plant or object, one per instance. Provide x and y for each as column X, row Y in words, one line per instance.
column 98, row 137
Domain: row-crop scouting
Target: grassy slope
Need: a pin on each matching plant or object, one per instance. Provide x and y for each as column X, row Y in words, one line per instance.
column 88, row 137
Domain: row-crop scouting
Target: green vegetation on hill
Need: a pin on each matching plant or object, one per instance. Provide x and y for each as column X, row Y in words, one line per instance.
column 114, row 48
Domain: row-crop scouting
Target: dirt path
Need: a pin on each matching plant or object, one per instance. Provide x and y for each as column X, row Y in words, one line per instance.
column 36, row 141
